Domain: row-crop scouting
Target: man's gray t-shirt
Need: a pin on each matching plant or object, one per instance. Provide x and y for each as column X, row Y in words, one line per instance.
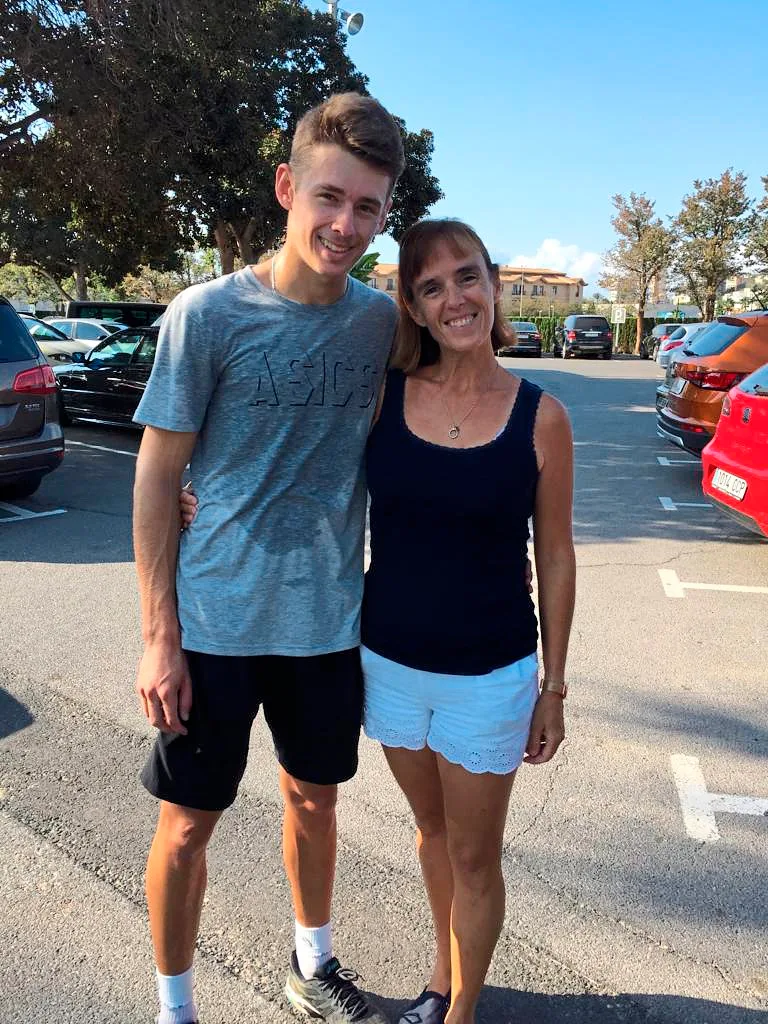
column 282, row 396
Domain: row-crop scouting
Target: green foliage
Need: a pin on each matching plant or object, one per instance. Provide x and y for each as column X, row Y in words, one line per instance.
column 365, row 266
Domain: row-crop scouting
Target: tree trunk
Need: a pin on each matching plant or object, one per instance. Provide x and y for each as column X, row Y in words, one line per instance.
column 224, row 245
column 81, row 281
column 709, row 305
column 245, row 242
column 640, row 327
column 49, row 277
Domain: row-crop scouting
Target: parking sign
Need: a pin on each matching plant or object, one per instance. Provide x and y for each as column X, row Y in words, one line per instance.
column 618, row 314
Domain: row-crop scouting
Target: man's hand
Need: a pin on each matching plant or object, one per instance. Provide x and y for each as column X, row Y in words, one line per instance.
column 164, row 687
column 188, row 506
column 547, row 729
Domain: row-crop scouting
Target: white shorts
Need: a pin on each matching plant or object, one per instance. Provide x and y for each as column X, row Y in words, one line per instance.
column 479, row 722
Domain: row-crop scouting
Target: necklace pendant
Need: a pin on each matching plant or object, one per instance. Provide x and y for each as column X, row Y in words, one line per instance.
column 454, row 432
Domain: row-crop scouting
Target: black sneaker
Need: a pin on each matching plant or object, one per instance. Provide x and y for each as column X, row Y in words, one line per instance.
column 330, row 994
column 429, row 1008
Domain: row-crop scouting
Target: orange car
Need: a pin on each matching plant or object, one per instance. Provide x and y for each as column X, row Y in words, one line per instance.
column 689, row 402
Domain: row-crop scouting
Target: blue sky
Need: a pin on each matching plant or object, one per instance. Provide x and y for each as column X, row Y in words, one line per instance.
column 542, row 111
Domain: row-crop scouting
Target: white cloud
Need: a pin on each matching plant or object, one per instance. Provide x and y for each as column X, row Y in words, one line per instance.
column 570, row 259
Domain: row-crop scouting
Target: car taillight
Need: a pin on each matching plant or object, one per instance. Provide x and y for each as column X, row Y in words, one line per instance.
column 571, row 335
column 609, row 335
column 38, row 381
column 714, row 380
column 537, row 337
column 663, row 337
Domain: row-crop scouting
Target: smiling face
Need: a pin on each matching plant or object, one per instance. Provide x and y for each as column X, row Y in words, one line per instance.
column 336, row 203
column 453, row 297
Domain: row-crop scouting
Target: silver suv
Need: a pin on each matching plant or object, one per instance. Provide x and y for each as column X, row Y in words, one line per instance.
column 31, row 440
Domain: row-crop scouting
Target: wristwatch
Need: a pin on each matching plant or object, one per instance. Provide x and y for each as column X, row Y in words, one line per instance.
column 550, row 686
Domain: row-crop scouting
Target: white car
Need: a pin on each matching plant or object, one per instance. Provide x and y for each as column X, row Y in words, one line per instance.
column 83, row 332
column 676, row 340
column 53, row 343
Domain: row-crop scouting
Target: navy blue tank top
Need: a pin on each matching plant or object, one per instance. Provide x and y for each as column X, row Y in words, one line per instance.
column 445, row 591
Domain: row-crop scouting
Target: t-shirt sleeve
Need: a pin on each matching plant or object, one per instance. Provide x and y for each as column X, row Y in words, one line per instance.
column 185, row 372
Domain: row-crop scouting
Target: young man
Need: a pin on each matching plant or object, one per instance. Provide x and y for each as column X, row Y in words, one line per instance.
column 266, row 381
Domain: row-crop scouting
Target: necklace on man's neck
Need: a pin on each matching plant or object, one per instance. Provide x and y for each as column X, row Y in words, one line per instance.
column 273, row 268
column 454, row 430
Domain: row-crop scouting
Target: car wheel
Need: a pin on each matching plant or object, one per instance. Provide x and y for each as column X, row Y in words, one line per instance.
column 21, row 489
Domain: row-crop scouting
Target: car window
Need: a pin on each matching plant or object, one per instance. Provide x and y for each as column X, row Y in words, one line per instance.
column 523, row 325
column 112, row 327
column 591, row 323
column 44, row 332
column 65, row 326
column 716, row 338
column 16, row 344
column 758, row 379
column 678, row 333
column 146, row 354
column 88, row 332
column 115, row 351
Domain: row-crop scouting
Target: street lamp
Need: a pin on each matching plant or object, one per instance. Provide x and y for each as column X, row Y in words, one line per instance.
column 353, row 22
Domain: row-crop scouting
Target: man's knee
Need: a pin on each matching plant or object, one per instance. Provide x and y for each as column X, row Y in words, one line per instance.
column 314, row 806
column 184, row 832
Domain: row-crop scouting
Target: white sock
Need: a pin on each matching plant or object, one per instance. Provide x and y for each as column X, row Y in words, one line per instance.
column 177, row 1001
column 313, row 948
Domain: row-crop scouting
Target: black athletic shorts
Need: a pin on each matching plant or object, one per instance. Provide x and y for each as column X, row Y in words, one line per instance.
column 313, row 706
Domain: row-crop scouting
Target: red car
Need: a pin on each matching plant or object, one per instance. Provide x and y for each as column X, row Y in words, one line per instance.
column 735, row 461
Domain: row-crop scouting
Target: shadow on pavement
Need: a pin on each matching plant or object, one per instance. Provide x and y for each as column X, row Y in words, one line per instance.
column 14, row 716
column 511, row 1006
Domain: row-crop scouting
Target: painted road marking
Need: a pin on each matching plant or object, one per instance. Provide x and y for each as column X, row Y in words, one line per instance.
column 675, row 587
column 699, row 806
column 664, row 461
column 101, row 448
column 672, row 506
column 17, row 513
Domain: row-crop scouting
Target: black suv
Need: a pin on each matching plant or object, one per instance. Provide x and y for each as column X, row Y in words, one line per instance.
column 583, row 334
column 31, row 441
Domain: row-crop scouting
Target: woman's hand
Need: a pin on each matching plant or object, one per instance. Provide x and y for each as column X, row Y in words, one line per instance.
column 547, row 729
column 187, row 506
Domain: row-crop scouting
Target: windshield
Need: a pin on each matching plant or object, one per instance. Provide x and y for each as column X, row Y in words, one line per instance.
column 16, row 344
column 716, row 338
column 591, row 323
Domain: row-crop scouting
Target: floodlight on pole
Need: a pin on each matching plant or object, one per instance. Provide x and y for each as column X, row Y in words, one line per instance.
column 353, row 22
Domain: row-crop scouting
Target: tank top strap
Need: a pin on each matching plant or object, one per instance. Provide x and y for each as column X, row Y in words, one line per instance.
column 526, row 407
column 392, row 407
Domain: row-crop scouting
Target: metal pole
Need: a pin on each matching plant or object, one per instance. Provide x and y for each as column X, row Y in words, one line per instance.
column 332, row 6
column 522, row 289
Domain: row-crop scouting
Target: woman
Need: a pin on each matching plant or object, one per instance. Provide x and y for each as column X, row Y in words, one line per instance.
column 462, row 454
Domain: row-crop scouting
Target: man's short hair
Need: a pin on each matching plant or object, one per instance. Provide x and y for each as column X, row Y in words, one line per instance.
column 358, row 124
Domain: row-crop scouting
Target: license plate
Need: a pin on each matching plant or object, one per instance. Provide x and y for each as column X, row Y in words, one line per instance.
column 729, row 484
column 591, row 334
column 677, row 385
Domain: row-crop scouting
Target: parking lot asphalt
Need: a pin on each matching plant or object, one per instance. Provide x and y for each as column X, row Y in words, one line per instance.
column 635, row 862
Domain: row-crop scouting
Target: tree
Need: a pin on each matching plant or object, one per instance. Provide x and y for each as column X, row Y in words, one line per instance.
column 365, row 266
column 642, row 252
column 756, row 249
column 190, row 107
column 711, row 229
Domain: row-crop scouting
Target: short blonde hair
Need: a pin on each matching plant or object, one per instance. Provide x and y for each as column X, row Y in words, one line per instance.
column 358, row 124
column 414, row 345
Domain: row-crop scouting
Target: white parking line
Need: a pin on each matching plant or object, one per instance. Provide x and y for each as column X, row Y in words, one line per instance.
column 699, row 806
column 101, row 448
column 675, row 587
column 664, row 461
column 24, row 513
column 672, row 506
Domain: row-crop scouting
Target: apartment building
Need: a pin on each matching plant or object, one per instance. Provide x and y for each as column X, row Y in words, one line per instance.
column 532, row 284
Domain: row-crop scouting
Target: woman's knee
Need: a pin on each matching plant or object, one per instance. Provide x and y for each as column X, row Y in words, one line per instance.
column 475, row 864
column 430, row 822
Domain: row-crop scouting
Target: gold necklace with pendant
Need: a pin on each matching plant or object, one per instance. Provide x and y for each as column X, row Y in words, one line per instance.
column 455, row 425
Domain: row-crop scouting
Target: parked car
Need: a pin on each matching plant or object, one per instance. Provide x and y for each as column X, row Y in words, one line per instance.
column 86, row 333
column 527, row 340
column 129, row 314
column 580, row 334
column 106, row 385
column 735, row 461
column 689, row 402
column 31, row 440
column 52, row 342
column 660, row 332
column 676, row 340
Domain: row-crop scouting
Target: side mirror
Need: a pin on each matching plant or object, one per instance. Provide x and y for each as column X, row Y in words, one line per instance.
column 78, row 357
